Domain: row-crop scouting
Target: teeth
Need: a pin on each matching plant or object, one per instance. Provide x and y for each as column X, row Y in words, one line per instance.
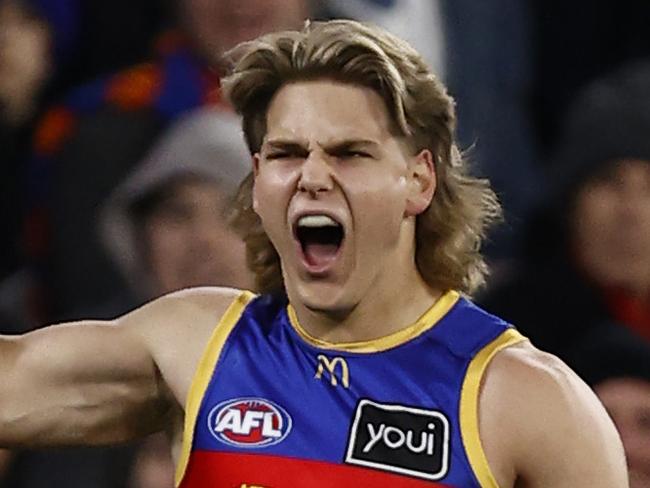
column 317, row 221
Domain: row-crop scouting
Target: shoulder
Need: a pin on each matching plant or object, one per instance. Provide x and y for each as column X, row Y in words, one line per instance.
column 177, row 328
column 185, row 308
column 523, row 379
column 209, row 296
column 185, row 317
column 540, row 421
column 534, row 381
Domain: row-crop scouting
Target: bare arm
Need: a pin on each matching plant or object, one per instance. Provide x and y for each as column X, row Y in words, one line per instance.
column 544, row 428
column 95, row 382
column 84, row 382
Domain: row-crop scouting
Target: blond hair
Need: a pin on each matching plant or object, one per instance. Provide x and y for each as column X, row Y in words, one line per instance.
column 449, row 233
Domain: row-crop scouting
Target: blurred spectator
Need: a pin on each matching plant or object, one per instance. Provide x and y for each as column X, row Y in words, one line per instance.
column 617, row 366
column 166, row 227
column 87, row 144
column 589, row 256
column 214, row 26
column 25, row 61
column 34, row 40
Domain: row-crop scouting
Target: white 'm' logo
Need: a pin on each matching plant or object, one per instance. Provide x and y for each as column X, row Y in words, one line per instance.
column 324, row 363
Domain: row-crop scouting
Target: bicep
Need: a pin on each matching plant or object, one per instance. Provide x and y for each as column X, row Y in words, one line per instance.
column 558, row 434
column 581, row 446
column 84, row 382
column 105, row 382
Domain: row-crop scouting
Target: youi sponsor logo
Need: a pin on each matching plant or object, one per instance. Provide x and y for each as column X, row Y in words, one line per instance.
column 249, row 422
column 400, row 439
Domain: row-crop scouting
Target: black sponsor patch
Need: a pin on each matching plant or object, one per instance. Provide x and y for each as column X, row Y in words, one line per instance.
column 399, row 439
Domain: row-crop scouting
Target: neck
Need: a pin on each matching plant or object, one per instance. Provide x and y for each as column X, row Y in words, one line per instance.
column 395, row 301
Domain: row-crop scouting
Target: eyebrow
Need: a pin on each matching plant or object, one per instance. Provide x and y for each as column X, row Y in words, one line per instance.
column 285, row 145
column 337, row 146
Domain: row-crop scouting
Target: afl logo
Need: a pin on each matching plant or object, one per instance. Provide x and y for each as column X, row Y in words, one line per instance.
column 249, row 422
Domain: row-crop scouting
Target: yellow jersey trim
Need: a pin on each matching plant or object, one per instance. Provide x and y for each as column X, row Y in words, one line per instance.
column 430, row 318
column 203, row 375
column 469, row 398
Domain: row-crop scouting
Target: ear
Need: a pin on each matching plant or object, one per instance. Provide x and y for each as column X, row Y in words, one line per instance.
column 422, row 184
column 256, row 170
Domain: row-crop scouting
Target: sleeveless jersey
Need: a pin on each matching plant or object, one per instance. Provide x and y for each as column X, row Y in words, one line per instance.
column 270, row 406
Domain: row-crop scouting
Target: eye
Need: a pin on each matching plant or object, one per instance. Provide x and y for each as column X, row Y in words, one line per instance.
column 278, row 155
column 285, row 154
column 351, row 154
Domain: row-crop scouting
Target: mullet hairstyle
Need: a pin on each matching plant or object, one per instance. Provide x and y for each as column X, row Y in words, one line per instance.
column 450, row 231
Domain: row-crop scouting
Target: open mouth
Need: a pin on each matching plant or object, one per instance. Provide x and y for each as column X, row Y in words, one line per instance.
column 320, row 237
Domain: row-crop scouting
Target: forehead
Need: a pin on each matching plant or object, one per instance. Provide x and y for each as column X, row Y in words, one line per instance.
column 327, row 110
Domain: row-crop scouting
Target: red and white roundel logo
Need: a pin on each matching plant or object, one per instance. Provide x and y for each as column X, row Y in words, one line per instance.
column 249, row 422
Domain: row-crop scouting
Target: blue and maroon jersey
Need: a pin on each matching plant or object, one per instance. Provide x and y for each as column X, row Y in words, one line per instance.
column 271, row 406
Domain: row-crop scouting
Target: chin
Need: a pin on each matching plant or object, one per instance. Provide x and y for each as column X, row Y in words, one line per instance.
column 325, row 298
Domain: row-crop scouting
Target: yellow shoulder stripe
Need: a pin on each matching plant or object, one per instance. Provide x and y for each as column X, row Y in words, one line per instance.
column 203, row 375
column 469, row 398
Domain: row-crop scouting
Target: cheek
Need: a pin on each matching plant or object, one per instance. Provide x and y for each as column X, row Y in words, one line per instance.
column 378, row 206
column 272, row 192
column 381, row 191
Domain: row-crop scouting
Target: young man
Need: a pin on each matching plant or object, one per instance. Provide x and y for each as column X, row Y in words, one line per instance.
column 360, row 364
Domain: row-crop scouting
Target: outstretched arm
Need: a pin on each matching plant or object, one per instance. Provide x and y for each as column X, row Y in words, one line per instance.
column 84, row 382
column 95, row 382
column 551, row 427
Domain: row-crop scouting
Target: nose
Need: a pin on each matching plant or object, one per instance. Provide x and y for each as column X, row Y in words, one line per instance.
column 315, row 175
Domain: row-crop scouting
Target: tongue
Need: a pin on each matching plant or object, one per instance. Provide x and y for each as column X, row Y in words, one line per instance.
column 320, row 254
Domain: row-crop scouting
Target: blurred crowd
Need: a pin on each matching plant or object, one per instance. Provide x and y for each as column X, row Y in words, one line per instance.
column 119, row 158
